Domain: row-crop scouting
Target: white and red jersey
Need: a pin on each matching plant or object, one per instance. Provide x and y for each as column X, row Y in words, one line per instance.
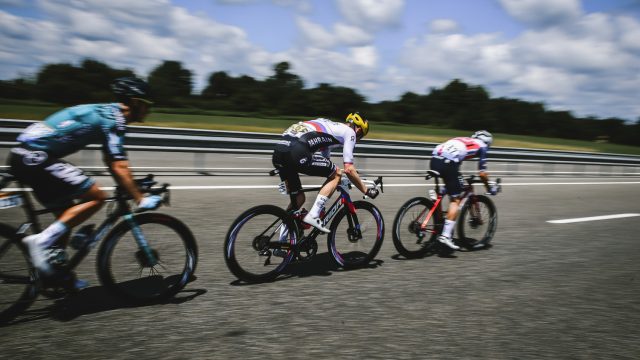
column 324, row 135
column 462, row 148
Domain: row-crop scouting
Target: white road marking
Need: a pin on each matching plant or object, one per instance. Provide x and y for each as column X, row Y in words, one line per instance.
column 425, row 184
column 592, row 218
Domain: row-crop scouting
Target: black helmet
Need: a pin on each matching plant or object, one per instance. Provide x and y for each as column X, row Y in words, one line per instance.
column 126, row 88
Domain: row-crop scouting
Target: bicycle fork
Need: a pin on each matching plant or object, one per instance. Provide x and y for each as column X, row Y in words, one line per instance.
column 149, row 259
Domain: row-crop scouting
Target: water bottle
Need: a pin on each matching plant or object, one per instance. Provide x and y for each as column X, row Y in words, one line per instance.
column 81, row 237
column 432, row 195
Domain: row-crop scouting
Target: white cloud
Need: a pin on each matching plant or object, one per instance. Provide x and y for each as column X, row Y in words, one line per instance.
column 372, row 14
column 315, row 35
column 578, row 65
column 443, row 26
column 543, row 12
column 352, row 35
column 588, row 63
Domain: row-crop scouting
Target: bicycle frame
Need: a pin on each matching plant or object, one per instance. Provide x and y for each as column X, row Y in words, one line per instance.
column 122, row 210
column 467, row 193
column 344, row 198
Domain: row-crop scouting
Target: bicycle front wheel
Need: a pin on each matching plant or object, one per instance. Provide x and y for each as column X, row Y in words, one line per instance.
column 478, row 222
column 355, row 242
column 411, row 236
column 259, row 244
column 18, row 277
column 150, row 258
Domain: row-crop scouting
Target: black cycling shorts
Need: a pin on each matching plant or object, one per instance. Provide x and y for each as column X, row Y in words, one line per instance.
column 55, row 182
column 450, row 173
column 292, row 157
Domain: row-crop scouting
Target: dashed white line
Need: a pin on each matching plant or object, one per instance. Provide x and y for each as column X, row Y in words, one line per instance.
column 592, row 218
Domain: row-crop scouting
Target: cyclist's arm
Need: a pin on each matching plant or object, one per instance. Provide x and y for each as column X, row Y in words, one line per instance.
column 122, row 174
column 352, row 174
column 482, row 167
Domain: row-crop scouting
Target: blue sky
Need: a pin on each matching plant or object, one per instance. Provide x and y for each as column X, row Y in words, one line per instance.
column 576, row 55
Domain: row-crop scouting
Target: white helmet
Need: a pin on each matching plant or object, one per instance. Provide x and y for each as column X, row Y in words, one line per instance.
column 484, row 136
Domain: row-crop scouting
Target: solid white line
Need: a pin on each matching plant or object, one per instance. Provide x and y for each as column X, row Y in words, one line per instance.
column 239, row 187
column 592, row 218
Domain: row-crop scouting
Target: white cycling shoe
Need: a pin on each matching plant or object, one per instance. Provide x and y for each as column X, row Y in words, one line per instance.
column 316, row 223
column 448, row 241
column 39, row 254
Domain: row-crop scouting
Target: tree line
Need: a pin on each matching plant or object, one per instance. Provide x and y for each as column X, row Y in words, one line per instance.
column 457, row 105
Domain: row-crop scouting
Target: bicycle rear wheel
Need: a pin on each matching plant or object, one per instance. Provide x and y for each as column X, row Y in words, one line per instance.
column 18, row 277
column 409, row 238
column 259, row 244
column 140, row 276
column 478, row 222
column 355, row 242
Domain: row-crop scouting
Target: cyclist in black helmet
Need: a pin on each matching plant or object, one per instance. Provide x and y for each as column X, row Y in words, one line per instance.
column 37, row 161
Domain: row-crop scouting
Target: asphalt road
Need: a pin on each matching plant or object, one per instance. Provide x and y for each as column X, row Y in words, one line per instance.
column 544, row 290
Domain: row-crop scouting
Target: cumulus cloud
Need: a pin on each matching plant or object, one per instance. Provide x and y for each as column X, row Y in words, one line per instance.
column 372, row 14
column 588, row 63
column 136, row 35
column 543, row 12
column 578, row 65
column 443, row 26
column 315, row 35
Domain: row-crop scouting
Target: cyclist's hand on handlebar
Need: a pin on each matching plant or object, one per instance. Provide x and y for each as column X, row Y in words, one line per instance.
column 150, row 202
column 372, row 193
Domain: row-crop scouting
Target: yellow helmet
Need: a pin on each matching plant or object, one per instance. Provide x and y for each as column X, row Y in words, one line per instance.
column 357, row 120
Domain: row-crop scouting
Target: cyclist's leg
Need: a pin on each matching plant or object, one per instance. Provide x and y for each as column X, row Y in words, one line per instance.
column 92, row 201
column 56, row 183
column 282, row 160
column 450, row 174
column 318, row 165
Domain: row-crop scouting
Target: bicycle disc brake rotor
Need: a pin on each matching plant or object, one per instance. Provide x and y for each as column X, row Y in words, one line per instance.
column 354, row 235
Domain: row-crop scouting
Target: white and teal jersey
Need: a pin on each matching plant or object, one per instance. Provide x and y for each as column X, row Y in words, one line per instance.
column 71, row 129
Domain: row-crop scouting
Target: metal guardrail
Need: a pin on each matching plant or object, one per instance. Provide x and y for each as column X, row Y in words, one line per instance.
column 145, row 138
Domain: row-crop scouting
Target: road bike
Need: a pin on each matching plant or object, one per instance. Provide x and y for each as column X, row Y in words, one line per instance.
column 144, row 258
column 420, row 220
column 263, row 240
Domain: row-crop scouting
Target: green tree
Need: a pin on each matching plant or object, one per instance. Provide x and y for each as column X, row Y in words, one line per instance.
column 169, row 82
column 283, row 90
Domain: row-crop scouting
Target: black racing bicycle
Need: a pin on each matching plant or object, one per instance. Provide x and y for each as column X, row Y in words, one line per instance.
column 420, row 220
column 263, row 240
column 145, row 257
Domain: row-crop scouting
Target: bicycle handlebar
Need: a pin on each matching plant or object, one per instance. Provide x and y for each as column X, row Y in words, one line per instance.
column 146, row 186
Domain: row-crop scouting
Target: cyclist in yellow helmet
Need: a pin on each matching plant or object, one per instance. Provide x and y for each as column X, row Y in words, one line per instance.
column 296, row 153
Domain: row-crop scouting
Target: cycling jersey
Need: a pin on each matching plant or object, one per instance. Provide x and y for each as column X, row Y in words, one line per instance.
column 324, row 135
column 71, row 129
column 463, row 148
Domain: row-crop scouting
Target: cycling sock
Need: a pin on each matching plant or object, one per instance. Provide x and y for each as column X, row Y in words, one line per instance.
column 318, row 206
column 52, row 233
column 448, row 227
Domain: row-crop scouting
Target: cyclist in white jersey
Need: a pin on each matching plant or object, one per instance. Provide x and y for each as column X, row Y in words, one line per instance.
column 306, row 148
column 37, row 161
column 446, row 159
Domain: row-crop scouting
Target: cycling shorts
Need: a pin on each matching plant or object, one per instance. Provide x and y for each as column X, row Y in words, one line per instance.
column 450, row 174
column 55, row 182
column 292, row 157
